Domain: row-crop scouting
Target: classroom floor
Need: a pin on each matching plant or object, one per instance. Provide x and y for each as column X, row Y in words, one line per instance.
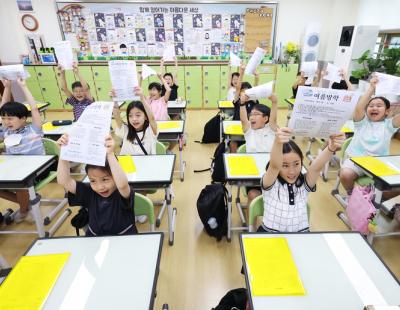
column 197, row 271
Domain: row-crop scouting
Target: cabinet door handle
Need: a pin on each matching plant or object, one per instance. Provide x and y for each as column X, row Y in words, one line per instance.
column 189, row 101
column 96, row 73
column 99, row 88
column 223, row 72
column 206, row 101
column 206, row 87
column 39, row 74
column 187, row 73
column 44, row 88
column 206, row 73
column 188, row 88
column 223, row 87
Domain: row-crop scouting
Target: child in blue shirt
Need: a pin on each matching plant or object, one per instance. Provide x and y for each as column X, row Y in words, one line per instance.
column 20, row 138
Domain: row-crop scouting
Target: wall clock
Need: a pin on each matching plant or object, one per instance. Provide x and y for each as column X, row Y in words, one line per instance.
column 29, row 22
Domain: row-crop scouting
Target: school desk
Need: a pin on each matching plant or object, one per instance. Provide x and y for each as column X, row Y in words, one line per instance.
column 338, row 271
column 177, row 107
column 19, row 172
column 155, row 171
column 388, row 180
column 227, row 108
column 114, row 272
column 232, row 131
column 54, row 132
column 173, row 131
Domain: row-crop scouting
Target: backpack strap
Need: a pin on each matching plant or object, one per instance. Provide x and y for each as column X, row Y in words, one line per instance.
column 140, row 143
column 202, row 170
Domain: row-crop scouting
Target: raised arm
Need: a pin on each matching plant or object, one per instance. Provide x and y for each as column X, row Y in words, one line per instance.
column 116, row 110
column 119, row 176
column 85, row 85
column 334, row 143
column 162, row 69
column 345, row 77
column 7, row 92
column 166, row 86
column 63, row 82
column 273, row 117
column 243, row 112
column 63, row 169
column 362, row 103
column 276, row 157
column 239, row 84
column 229, row 76
column 36, row 119
column 176, row 73
column 149, row 112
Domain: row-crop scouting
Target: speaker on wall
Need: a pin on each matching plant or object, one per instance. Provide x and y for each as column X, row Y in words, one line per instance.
column 311, row 40
column 346, row 36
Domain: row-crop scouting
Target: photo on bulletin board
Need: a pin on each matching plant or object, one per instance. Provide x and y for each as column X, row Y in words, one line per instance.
column 195, row 29
column 25, row 5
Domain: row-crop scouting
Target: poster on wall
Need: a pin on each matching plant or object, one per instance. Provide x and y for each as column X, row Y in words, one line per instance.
column 198, row 29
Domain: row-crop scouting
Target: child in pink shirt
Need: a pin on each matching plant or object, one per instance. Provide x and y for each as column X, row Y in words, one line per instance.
column 158, row 103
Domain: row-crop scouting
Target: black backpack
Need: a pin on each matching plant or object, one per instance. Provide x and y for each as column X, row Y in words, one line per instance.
column 234, row 299
column 217, row 164
column 211, row 130
column 213, row 210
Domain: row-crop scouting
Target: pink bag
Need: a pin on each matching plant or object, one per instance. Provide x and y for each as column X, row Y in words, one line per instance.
column 360, row 208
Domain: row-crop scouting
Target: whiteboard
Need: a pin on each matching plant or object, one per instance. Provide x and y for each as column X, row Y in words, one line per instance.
column 146, row 29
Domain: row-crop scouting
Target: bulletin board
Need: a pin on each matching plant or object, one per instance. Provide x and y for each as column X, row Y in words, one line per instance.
column 146, row 28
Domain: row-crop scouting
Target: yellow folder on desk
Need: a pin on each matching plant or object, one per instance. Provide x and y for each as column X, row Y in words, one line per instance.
column 234, row 129
column 375, row 165
column 127, row 163
column 242, row 165
column 271, row 268
column 48, row 126
column 31, row 281
column 168, row 125
column 225, row 104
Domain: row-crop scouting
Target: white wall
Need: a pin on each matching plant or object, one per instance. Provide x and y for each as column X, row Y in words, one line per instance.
column 380, row 12
column 12, row 36
column 293, row 16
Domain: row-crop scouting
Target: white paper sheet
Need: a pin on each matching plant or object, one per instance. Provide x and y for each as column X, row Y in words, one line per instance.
column 321, row 112
column 123, row 78
column 260, row 92
column 234, row 61
column 147, row 71
column 13, row 72
column 309, row 70
column 332, row 73
column 254, row 61
column 64, row 54
column 87, row 136
column 388, row 84
column 169, row 53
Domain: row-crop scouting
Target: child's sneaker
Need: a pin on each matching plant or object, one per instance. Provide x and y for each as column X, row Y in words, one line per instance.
column 141, row 219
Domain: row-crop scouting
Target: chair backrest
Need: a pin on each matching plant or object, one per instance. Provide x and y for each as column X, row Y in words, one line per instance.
column 144, row 206
column 51, row 147
column 344, row 147
column 256, row 208
column 241, row 149
column 160, row 148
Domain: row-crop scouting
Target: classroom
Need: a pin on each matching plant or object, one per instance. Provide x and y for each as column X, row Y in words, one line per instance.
column 200, row 154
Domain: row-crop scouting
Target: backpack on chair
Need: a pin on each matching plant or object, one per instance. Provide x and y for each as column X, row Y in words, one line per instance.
column 211, row 130
column 213, row 210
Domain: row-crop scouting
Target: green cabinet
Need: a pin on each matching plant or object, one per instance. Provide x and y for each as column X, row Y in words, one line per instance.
column 224, row 78
column 285, row 77
column 51, row 93
column 45, row 73
column 33, row 84
column 193, row 86
column 211, row 86
column 102, row 90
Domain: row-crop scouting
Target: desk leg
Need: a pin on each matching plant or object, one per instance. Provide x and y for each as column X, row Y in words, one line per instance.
column 229, row 215
column 239, row 205
column 220, row 128
column 34, row 201
column 171, row 216
column 181, row 162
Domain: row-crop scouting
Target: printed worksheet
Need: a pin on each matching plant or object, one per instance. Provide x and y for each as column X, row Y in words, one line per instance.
column 123, row 78
column 321, row 112
column 388, row 84
column 13, row 72
column 64, row 54
column 86, row 137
